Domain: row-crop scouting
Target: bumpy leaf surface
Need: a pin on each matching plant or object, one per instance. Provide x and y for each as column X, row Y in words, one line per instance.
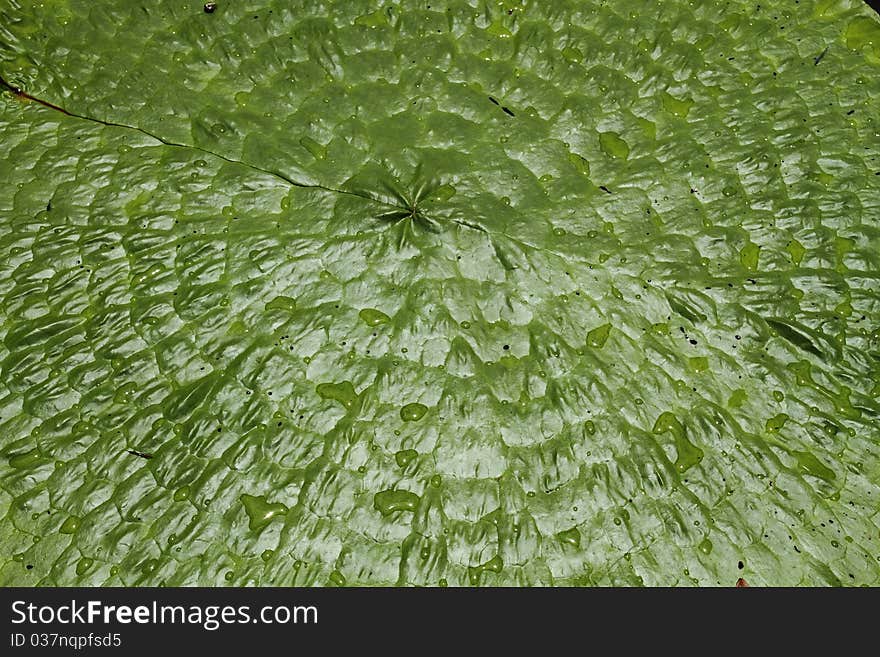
column 439, row 292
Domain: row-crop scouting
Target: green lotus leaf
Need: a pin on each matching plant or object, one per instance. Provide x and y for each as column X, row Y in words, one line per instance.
column 445, row 292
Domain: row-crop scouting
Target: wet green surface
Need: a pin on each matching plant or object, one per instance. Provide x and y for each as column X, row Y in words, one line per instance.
column 516, row 294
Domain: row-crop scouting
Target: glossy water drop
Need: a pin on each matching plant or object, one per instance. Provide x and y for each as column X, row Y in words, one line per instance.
column 687, row 454
column 581, row 165
column 182, row 494
column 809, row 464
column 70, row 525
column 25, row 459
column 737, row 398
column 598, row 336
column 796, row 252
column 405, row 456
column 862, row 32
column 748, row 256
column 413, row 412
column 613, row 144
column 84, row 565
column 675, row 106
column 443, row 193
column 570, row 536
column 495, row 565
column 315, row 149
column 341, row 392
column 698, row 364
column 776, row 422
column 124, row 392
column 282, row 303
column 373, row 317
column 389, row 501
column 261, row 512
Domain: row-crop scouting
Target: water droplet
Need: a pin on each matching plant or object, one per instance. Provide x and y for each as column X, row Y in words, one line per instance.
column 444, row 192
column 687, row 454
column 597, row 337
column 737, row 398
column 581, row 165
column 316, row 150
column 341, row 392
column 373, row 317
column 705, row 546
column 675, row 106
column 405, row 457
column 84, row 565
column 260, row 512
column 413, row 412
column 748, row 256
column 776, row 422
column 25, row 459
column 612, row 144
column 571, row 537
column 124, row 392
column 337, row 578
column 861, row 32
column 809, row 464
column 182, row 494
column 698, row 364
column 70, row 525
column 495, row 565
column 282, row 303
column 267, row 554
column 389, row 501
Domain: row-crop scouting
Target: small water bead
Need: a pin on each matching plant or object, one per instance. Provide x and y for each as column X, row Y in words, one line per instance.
column 413, row 412
column 389, row 501
column 372, row 317
column 260, row 512
column 70, row 525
